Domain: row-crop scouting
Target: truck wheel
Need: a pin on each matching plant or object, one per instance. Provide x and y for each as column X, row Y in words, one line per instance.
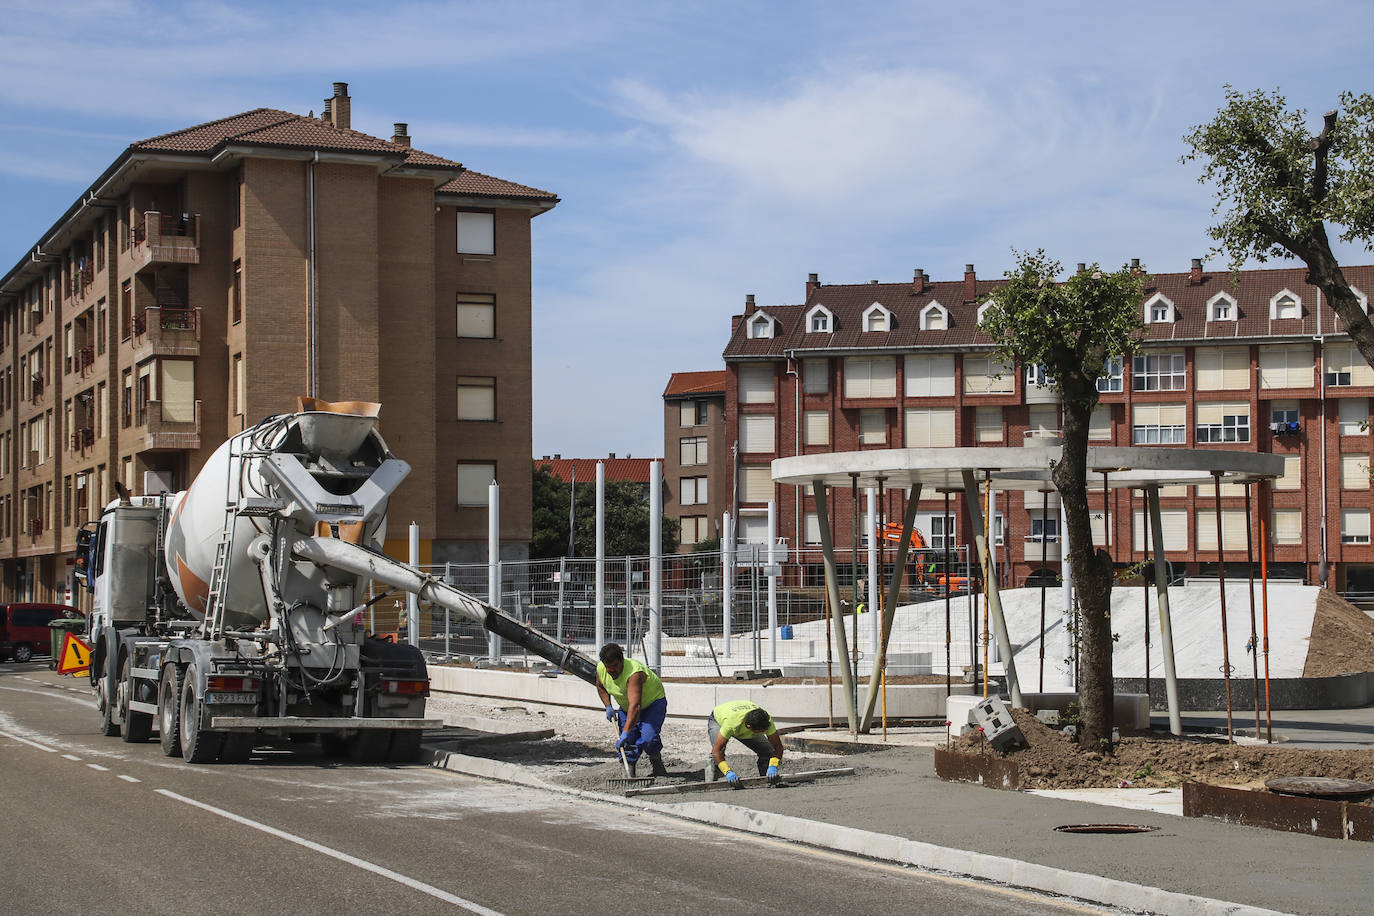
column 405, row 745
column 168, row 711
column 23, row 652
column 137, row 725
column 333, row 745
column 238, row 747
column 198, row 745
column 369, row 746
column 104, row 703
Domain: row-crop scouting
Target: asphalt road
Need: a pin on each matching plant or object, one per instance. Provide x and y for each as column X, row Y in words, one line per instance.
column 93, row 824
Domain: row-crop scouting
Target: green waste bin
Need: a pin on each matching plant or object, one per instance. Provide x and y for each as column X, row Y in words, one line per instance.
column 58, row 628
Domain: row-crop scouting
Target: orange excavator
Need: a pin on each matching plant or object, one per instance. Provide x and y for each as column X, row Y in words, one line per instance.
column 926, row 576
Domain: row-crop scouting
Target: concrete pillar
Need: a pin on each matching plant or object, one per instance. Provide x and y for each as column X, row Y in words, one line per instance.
column 832, row 588
column 1166, row 627
column 994, row 596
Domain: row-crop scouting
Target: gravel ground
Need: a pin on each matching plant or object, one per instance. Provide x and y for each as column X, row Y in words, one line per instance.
column 581, row 754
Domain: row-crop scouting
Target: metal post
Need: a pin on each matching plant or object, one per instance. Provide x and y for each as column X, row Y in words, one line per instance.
column 1221, row 579
column 854, row 580
column 448, row 614
column 727, row 580
column 1166, row 626
column 562, row 578
column 889, row 605
column 655, row 660
column 412, row 601
column 493, row 564
column 948, row 538
column 772, row 582
column 872, row 602
column 629, row 612
column 1264, row 598
column 600, row 596
column 832, row 590
column 1145, row 587
column 1254, row 635
column 1044, row 573
column 994, row 597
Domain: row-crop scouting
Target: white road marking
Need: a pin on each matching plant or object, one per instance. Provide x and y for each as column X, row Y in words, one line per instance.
column 50, row 750
column 96, row 766
column 72, row 757
column 61, row 696
column 129, row 778
column 399, row 878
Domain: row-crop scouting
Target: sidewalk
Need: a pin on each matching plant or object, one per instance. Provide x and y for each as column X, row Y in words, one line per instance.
column 898, row 810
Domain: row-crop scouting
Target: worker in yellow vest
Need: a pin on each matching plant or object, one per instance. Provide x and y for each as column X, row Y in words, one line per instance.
column 752, row 726
column 643, row 706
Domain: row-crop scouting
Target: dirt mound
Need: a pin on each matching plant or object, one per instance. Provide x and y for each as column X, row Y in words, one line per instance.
column 1055, row 761
column 1342, row 638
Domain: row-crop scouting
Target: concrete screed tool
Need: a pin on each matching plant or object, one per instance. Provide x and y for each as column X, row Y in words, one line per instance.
column 627, row 781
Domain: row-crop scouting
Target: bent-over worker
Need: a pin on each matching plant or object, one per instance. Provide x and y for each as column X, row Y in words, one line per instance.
column 643, row 705
column 752, row 726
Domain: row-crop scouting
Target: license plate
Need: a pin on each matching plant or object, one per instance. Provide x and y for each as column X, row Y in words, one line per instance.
column 239, row 698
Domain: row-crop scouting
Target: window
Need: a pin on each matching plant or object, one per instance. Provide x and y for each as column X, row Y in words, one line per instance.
column 984, row 374
column 693, row 413
column 1354, row 526
column 1355, row 472
column 126, row 413
column 751, row 529
column 100, row 318
column 1285, row 367
column 817, row 426
column 929, row 376
column 1039, row 376
column 237, row 386
column 1044, row 420
column 873, row 427
column 476, row 233
column 1222, row 368
column 694, row 530
column 1100, row 422
column 1158, row 424
column 474, row 478
column 1232, row 528
column 940, row 527
column 1101, row 523
column 1173, row 529
column 693, row 491
column 1345, row 366
column 756, row 383
column 476, row 398
column 1354, row 416
column 815, row 376
column 1159, row 372
column 177, row 390
column 756, row 433
column 1043, row 528
column 877, row 318
column 1287, row 526
column 1291, row 478
column 929, row 427
column 934, row 317
column 126, row 311
column 987, row 423
column 1222, row 307
column 1159, row 309
column 1223, row 423
column 692, row 450
column 1285, row 305
column 1112, row 371
column 236, row 295
column 476, row 315
column 761, row 327
column 756, row 484
column 870, row 377
column 812, row 530
column 820, row 321
column 1284, row 419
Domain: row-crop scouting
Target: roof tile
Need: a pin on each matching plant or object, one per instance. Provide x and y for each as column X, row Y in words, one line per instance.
column 684, row 383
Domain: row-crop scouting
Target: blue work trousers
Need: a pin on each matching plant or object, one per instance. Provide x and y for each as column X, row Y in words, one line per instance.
column 644, row 738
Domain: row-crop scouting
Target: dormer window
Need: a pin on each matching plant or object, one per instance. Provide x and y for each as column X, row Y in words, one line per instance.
column 983, row 310
column 1222, row 307
column 761, row 326
column 820, row 321
column 1159, row 309
column 1285, row 304
column 877, row 318
column 934, row 317
column 1039, row 376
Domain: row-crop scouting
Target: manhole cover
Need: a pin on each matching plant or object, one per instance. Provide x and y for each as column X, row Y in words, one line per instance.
column 1105, row 828
column 1319, row 786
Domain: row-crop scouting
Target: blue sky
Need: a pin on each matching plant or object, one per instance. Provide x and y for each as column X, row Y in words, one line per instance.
column 703, row 151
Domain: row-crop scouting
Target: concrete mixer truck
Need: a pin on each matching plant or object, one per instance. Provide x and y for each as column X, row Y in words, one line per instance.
column 233, row 611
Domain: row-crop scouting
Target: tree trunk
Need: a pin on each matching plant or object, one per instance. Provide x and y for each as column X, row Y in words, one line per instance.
column 1092, row 574
column 1325, row 273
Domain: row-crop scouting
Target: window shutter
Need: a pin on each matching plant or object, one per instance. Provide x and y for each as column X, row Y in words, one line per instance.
column 1044, row 418
column 758, row 484
column 1355, row 525
column 473, row 480
column 815, row 376
column 1235, row 368
column 1232, row 528
column 1361, row 373
column 756, row 433
column 1354, row 416
column 1207, row 361
column 756, row 384
column 817, row 427
column 930, row 427
column 753, row 529
column 1100, row 423
column 1100, row 523
column 874, row 377
column 1287, row 526
column 1355, row 472
column 813, row 529
column 1036, row 499
column 1292, row 473
column 1173, row 524
column 873, row 427
column 687, row 413
column 929, row 376
column 178, row 390
column 988, row 424
column 1209, row 413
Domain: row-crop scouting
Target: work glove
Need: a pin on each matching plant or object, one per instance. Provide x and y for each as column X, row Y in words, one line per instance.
column 610, row 713
column 772, row 773
column 733, row 779
column 623, row 740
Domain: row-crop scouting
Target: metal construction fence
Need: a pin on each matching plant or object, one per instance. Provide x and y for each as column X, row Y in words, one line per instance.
column 699, row 636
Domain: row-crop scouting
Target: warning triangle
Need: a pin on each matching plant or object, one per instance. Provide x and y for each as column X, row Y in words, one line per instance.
column 75, row 657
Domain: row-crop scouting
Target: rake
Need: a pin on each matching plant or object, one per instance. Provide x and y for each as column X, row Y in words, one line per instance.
column 627, row 781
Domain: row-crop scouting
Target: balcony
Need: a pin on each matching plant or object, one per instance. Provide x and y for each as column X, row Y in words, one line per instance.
column 83, row 438
column 1037, row 547
column 85, row 359
column 36, row 390
column 160, row 434
column 1289, row 428
column 162, row 238
column 165, row 331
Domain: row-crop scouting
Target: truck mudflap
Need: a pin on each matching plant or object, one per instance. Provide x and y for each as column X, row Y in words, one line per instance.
column 320, row 724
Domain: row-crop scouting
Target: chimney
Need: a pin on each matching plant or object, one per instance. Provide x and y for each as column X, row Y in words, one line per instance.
column 612, row 455
column 341, row 107
column 1195, row 273
column 749, row 304
column 970, row 283
column 1082, row 267
column 324, row 112
column 812, row 281
column 557, row 457
column 1135, row 265
column 399, row 135
column 918, row 282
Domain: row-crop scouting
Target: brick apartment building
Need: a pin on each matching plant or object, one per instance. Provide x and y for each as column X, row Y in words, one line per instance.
column 696, row 455
column 581, row 471
column 1256, row 363
column 212, row 275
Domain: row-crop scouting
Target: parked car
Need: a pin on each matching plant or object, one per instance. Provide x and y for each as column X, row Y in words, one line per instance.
column 24, row 629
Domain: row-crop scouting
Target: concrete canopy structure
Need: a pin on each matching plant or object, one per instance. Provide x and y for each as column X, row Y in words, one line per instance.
column 1026, row 468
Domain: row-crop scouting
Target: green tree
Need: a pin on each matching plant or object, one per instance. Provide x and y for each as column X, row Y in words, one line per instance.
column 627, row 519
column 1277, row 186
column 1073, row 328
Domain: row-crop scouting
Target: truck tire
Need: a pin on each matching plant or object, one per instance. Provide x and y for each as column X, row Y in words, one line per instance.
column 237, row 748
column 198, row 745
column 138, row 726
column 103, row 683
column 169, row 710
column 405, row 745
column 369, row 746
column 333, row 745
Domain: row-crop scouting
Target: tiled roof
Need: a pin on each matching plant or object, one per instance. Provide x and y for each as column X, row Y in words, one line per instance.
column 635, row 470
column 475, row 184
column 1252, row 290
column 684, row 383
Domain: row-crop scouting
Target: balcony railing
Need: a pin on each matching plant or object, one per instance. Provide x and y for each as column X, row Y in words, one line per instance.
column 35, row 527
column 36, row 393
column 85, row 358
column 83, row 438
column 168, row 238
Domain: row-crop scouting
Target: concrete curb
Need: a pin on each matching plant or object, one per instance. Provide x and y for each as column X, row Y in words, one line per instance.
column 879, row 846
